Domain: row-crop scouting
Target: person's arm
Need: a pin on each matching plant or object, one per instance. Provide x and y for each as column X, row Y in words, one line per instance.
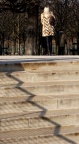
column 52, row 14
column 42, row 18
column 52, row 19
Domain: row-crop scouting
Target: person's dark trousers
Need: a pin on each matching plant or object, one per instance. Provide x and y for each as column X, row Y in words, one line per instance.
column 49, row 44
column 44, row 45
column 61, row 51
column 0, row 50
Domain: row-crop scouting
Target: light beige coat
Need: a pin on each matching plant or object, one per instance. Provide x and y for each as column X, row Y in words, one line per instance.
column 47, row 29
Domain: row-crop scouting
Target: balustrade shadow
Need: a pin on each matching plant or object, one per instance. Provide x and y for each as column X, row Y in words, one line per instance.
column 42, row 110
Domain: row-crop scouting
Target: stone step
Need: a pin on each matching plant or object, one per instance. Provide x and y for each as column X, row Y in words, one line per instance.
column 43, row 87
column 32, row 132
column 23, row 76
column 60, row 139
column 47, row 101
column 22, row 121
column 8, row 66
column 37, row 113
column 8, row 99
column 39, row 99
column 18, row 83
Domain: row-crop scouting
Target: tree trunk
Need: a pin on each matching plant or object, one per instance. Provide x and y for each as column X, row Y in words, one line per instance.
column 31, row 35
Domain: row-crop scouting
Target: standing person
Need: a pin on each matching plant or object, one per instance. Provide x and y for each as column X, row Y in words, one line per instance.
column 47, row 20
column 62, row 41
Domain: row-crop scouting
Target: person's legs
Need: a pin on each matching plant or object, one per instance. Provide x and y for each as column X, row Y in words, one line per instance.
column 63, row 50
column 49, row 44
column 44, row 45
column 59, row 51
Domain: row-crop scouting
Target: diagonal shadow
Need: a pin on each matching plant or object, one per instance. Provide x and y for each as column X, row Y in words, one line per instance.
column 42, row 112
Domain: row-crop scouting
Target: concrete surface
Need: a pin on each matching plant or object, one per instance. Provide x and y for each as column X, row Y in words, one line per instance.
column 39, row 99
column 4, row 59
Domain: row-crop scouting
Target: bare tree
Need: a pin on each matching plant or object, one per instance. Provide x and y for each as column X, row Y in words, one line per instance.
column 21, row 18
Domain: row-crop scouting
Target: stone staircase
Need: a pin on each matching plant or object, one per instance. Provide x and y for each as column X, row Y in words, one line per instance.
column 39, row 102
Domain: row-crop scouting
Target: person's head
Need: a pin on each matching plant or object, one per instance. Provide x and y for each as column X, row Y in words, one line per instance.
column 46, row 9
